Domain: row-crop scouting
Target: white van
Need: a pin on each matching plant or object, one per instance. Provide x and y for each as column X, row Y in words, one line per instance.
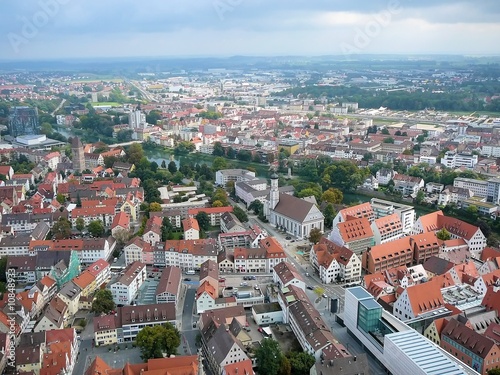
column 190, row 272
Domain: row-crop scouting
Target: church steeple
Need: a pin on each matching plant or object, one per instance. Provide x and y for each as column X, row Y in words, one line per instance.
column 274, row 194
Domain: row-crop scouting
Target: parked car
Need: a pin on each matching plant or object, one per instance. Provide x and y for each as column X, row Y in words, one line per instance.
column 221, row 280
column 310, row 287
column 324, row 295
column 256, row 287
column 244, row 283
column 187, row 279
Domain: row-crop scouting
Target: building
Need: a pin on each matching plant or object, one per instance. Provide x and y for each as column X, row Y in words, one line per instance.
column 355, row 234
column 125, row 289
column 383, row 208
column 452, row 160
column 386, row 256
column 191, row 229
column 178, row 365
column 137, row 120
column 335, row 263
column 455, row 195
column 408, row 185
column 223, row 176
column 493, row 194
column 169, row 287
column 105, row 330
column 285, row 274
column 296, row 216
column 23, row 121
column 214, row 213
column 478, row 187
column 396, row 346
column 387, row 228
column 78, row 155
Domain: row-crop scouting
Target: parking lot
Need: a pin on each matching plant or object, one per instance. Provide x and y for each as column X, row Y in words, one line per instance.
column 147, row 291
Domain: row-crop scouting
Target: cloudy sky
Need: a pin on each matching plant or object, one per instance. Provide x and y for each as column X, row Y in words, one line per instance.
column 40, row 29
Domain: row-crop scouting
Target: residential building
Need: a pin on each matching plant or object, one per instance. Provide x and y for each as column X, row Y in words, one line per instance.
column 137, row 250
column 387, row 228
column 384, row 175
column 453, row 159
column 206, row 296
column 223, row 176
column 125, row 289
column 389, row 255
column 105, row 330
column 493, row 194
column 229, row 223
column 408, row 185
column 186, row 254
column 355, row 234
column 54, row 316
column 214, row 213
column 191, row 229
column 285, row 274
column 455, row 195
column 169, row 287
column 335, row 263
column 471, row 234
column 101, row 271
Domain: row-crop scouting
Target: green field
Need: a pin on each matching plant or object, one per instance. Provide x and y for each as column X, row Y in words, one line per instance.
column 112, row 104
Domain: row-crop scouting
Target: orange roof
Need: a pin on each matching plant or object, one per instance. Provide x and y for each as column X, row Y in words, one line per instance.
column 47, row 281
column 206, row 287
column 92, row 211
column 491, row 300
column 239, row 368
column 98, row 366
column 97, row 267
column 190, row 223
column 425, row 297
column 358, row 211
column 355, row 229
column 99, row 203
column 389, row 224
column 437, row 220
column 272, row 246
column 489, row 252
column 121, row 220
column 84, row 279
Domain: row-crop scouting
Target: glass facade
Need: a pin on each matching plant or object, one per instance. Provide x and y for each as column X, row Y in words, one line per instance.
column 369, row 314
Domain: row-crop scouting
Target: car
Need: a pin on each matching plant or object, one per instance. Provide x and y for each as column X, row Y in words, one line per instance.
column 229, row 288
column 187, row 279
column 310, row 287
column 252, row 278
column 288, row 238
column 324, row 295
column 256, row 287
column 244, row 283
column 307, row 274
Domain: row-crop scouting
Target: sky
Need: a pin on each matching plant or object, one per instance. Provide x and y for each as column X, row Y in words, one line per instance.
column 55, row 29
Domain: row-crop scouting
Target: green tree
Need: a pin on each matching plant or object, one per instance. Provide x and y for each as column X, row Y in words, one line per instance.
column 443, row 234
column 172, row 167
column 80, row 223
column 46, row 128
column 219, row 163
column 155, row 207
column 285, row 366
column 154, row 341
column 231, row 154
column 388, row 140
column 256, row 206
column 96, row 228
column 61, row 229
column 420, row 197
column 244, row 155
column 315, row 235
column 345, row 175
column 494, row 371
column 218, row 149
column 153, row 117
column 268, row 357
column 109, row 161
column 333, row 196
column 61, row 198
column 301, row 362
column 163, row 164
column 329, row 214
column 319, row 291
column 220, row 195
column 135, row 153
column 203, row 220
column 240, row 214
column 385, row 131
column 103, row 302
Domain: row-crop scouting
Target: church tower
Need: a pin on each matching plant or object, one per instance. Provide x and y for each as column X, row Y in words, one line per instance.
column 274, row 194
column 78, row 155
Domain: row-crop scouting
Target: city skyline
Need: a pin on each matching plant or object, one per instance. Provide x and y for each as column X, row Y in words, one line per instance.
column 46, row 29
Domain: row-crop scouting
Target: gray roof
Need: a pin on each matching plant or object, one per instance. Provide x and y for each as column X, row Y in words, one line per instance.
column 293, row 207
column 48, row 259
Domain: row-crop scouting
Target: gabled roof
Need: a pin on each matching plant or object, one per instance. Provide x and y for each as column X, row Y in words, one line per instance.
column 358, row 211
column 425, row 297
column 355, row 229
column 287, row 272
column 295, row 208
column 468, row 338
column 190, row 223
column 208, row 288
column 170, row 280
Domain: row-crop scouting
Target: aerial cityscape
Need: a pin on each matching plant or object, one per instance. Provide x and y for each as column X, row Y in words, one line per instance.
column 241, row 188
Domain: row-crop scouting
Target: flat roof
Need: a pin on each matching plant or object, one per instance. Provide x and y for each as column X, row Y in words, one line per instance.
column 370, row 304
column 359, row 292
column 266, row 308
column 426, row 355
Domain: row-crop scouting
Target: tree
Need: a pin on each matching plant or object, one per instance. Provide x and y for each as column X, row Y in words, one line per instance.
column 60, row 198
column 217, row 203
column 388, row 140
column 46, row 128
column 240, row 214
column 172, row 167
column 333, row 196
column 301, row 362
column 315, row 235
column 203, row 220
column 494, row 371
column 155, row 207
column 220, row 195
column 319, row 291
column 268, row 357
column 3, row 269
column 329, row 214
column 135, row 153
column 285, row 366
column 154, row 341
column 153, row 117
column 80, row 223
column 218, row 149
column 219, row 163
column 443, row 234
column 61, row 229
column 231, row 154
column 96, row 228
column 256, row 206
column 103, row 302
column 244, row 155
column 163, row 164
column 420, row 197
column 385, row 131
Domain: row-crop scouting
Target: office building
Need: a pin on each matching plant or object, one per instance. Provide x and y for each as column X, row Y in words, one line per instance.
column 23, row 121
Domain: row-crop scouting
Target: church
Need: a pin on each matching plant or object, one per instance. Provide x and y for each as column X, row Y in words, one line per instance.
column 296, row 216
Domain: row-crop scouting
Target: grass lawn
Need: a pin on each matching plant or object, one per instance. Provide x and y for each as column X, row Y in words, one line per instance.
column 177, row 235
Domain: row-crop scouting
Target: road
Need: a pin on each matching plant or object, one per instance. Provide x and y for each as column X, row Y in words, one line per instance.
column 58, row 107
column 188, row 333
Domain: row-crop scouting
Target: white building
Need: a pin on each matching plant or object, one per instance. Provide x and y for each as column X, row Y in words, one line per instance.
column 294, row 215
column 223, row 176
column 452, row 160
column 478, row 187
column 125, row 289
column 382, row 208
column 387, row 228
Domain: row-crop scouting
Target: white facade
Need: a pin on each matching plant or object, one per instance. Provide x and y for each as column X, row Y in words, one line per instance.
column 133, row 253
column 223, row 176
column 453, row 160
column 478, row 187
column 90, row 255
column 205, row 302
column 491, row 150
column 125, row 289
